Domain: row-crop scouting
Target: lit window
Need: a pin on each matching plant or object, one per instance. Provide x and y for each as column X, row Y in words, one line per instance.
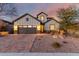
column 25, row 26
column 42, row 17
column 34, row 26
column 20, row 26
column 52, row 27
column 29, row 26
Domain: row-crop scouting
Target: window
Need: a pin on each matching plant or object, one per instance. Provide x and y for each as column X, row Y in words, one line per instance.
column 52, row 27
column 29, row 26
column 34, row 26
column 42, row 17
column 25, row 26
column 27, row 19
column 20, row 26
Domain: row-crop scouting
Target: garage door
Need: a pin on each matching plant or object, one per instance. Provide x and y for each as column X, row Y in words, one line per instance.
column 26, row 30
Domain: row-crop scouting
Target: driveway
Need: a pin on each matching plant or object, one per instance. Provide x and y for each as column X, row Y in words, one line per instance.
column 23, row 43
column 16, row 43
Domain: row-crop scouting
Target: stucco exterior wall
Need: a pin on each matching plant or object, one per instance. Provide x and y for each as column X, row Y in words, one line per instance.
column 52, row 22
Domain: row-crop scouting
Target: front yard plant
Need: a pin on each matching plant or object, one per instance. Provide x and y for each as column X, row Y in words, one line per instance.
column 56, row 45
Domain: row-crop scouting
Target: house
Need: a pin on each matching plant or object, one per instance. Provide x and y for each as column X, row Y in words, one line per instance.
column 6, row 26
column 30, row 24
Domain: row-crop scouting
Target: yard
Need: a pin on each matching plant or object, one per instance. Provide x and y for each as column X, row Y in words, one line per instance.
column 38, row 43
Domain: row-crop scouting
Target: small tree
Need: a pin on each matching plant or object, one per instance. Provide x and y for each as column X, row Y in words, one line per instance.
column 8, row 9
column 68, row 16
column 2, row 26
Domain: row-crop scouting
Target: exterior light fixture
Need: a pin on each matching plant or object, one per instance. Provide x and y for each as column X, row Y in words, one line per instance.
column 15, row 27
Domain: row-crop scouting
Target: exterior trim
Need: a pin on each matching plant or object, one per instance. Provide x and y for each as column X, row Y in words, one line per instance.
column 24, row 16
column 5, row 21
column 36, row 18
column 51, row 18
column 41, row 13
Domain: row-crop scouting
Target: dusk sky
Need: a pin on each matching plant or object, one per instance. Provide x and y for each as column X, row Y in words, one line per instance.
column 35, row 8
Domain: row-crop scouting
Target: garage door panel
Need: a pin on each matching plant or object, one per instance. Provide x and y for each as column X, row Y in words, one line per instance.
column 26, row 30
column 22, row 30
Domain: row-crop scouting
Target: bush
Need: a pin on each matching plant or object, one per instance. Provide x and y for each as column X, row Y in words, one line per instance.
column 39, row 39
column 75, row 35
column 65, row 42
column 47, row 31
column 3, row 34
column 54, row 32
column 56, row 45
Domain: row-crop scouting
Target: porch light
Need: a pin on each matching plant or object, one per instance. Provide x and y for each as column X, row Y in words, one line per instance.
column 38, row 27
column 15, row 27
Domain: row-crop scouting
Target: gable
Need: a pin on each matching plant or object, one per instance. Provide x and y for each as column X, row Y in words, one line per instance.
column 27, row 20
column 42, row 16
column 4, row 21
column 52, row 22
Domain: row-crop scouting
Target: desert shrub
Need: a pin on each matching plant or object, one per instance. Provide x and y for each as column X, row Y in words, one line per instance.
column 75, row 35
column 56, row 45
column 2, row 34
column 54, row 32
column 39, row 39
column 65, row 42
column 48, row 32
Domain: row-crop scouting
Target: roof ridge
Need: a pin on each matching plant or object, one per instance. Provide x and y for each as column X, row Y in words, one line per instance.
column 53, row 19
column 23, row 16
column 41, row 13
column 6, row 21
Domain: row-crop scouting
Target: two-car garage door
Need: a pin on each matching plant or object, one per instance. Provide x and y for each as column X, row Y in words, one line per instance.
column 26, row 29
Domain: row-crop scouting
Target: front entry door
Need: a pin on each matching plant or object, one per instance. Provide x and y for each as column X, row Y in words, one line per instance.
column 42, row 28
